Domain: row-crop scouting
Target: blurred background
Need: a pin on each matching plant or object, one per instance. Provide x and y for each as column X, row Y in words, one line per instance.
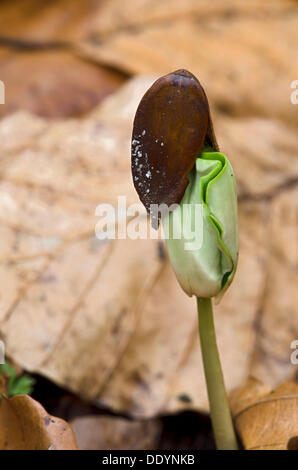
column 103, row 328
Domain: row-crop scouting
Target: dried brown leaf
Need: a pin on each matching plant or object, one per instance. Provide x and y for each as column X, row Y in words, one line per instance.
column 266, row 419
column 25, row 425
column 59, row 83
column 229, row 46
column 55, row 23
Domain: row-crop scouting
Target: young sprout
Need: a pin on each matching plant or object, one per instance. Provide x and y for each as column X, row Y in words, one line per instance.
column 176, row 160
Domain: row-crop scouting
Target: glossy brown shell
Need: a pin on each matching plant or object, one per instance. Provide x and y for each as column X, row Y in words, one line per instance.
column 171, row 126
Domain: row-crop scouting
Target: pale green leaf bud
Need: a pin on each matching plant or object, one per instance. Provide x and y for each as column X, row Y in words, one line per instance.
column 202, row 232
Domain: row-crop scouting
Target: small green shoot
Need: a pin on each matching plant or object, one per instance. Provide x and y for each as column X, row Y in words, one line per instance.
column 15, row 384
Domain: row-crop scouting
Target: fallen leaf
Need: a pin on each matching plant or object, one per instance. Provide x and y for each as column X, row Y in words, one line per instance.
column 151, row 37
column 227, row 45
column 110, row 433
column 108, row 320
column 54, row 24
column 59, row 83
column 25, row 425
column 266, row 419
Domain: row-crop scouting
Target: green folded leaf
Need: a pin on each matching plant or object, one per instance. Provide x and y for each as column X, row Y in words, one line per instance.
column 206, row 271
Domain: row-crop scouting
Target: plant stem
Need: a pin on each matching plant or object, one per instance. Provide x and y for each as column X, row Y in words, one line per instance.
column 222, row 424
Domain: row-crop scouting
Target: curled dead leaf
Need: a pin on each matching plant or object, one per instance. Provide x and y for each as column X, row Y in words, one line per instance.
column 25, row 425
column 265, row 418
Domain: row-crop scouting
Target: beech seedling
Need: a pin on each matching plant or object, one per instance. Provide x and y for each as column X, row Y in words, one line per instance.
column 176, row 161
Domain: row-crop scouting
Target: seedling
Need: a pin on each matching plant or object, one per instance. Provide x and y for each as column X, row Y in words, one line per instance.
column 176, row 160
column 16, row 384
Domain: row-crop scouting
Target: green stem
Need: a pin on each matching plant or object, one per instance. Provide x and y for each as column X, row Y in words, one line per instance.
column 222, row 424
